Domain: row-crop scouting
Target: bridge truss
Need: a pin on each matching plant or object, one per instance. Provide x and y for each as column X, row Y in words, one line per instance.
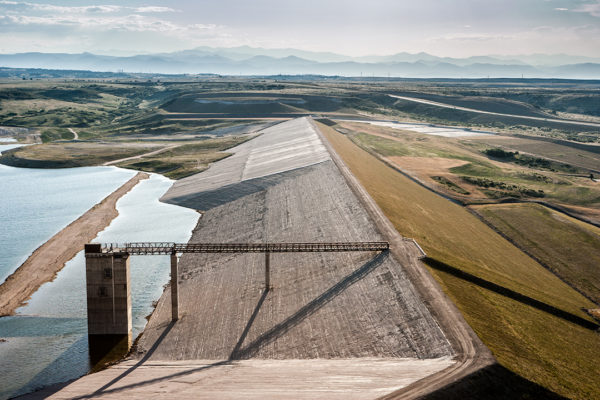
column 167, row 248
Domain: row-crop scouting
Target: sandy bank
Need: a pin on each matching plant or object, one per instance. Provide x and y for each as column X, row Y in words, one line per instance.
column 45, row 262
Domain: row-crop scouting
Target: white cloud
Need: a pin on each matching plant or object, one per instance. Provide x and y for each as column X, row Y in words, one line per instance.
column 469, row 37
column 131, row 22
column 99, row 17
column 102, row 8
column 153, row 9
column 592, row 8
column 561, row 9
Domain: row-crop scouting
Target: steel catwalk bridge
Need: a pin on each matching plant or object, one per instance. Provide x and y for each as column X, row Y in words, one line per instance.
column 166, row 248
column 93, row 250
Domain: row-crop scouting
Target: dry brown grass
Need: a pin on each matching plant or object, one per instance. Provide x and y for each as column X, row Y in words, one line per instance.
column 567, row 246
column 64, row 155
column 539, row 345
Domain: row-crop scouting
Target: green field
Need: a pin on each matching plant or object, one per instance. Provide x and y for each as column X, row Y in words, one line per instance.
column 568, row 247
column 529, row 318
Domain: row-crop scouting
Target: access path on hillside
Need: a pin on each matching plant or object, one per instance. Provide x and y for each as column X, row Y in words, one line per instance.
column 473, row 110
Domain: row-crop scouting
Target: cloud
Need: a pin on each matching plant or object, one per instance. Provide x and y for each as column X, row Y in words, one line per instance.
column 561, row 9
column 591, row 8
column 130, row 23
column 470, row 37
column 93, row 9
column 100, row 17
column 154, row 9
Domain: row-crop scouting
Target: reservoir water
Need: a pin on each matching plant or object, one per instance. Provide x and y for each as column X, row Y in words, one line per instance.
column 46, row 342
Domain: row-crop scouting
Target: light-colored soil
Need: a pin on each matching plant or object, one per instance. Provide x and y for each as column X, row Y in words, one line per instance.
column 45, row 262
column 425, row 166
column 75, row 134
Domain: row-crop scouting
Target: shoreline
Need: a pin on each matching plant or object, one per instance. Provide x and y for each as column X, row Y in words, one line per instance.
column 47, row 260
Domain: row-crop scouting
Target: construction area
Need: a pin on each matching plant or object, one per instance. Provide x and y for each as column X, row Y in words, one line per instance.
column 328, row 325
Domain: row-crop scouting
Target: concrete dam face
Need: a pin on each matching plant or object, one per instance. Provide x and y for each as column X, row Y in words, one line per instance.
column 283, row 186
column 332, row 324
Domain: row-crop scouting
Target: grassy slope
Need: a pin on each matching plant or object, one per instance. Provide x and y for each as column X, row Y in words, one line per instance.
column 67, row 155
column 187, row 159
column 569, row 247
column 537, row 345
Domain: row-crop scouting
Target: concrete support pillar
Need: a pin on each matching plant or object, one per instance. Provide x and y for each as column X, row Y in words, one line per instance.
column 108, row 301
column 174, row 288
column 267, row 270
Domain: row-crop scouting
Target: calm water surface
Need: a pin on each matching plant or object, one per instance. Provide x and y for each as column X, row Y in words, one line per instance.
column 47, row 339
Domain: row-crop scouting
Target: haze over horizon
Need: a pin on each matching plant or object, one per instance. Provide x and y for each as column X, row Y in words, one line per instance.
column 461, row 28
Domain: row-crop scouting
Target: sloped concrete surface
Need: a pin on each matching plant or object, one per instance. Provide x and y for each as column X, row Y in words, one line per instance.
column 279, row 149
column 323, row 305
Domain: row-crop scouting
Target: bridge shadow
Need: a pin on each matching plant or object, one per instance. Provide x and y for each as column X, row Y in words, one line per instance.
column 148, row 354
column 238, row 345
column 106, row 389
column 306, row 311
column 501, row 290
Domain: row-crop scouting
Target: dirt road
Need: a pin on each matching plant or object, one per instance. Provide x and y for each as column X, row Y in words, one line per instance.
column 45, row 262
column 75, row 135
column 152, row 153
column 435, row 103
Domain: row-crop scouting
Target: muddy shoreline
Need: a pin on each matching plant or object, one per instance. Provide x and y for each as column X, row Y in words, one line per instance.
column 48, row 259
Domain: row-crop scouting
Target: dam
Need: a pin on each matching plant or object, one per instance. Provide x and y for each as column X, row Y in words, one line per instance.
column 331, row 325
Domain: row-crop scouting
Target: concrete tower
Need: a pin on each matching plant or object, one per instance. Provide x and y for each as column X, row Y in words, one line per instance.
column 108, row 301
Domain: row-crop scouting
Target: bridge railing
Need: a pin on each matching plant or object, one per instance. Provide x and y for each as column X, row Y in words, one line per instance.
column 150, row 248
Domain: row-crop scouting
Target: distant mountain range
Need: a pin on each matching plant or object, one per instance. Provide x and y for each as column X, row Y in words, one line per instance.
column 246, row 60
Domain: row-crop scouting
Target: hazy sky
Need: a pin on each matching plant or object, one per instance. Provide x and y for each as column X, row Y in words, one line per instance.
column 442, row 27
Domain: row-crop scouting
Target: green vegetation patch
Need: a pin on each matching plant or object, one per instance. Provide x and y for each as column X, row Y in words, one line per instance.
column 326, row 121
column 186, row 159
column 481, row 169
column 53, row 134
column 383, row 146
column 449, row 184
column 176, row 167
column 531, row 161
column 506, row 188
